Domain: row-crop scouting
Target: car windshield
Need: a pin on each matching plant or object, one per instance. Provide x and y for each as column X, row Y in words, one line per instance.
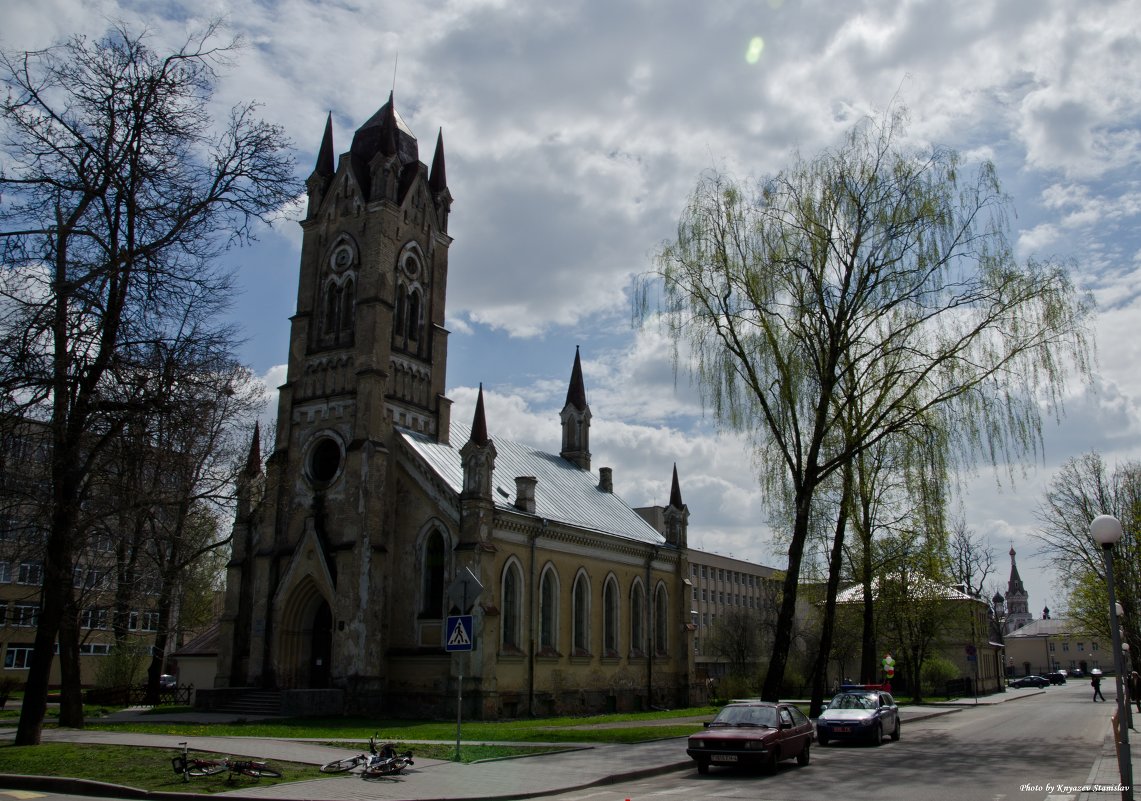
column 746, row 716
column 852, row 702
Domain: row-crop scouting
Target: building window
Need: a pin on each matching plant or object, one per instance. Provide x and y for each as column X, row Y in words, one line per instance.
column 26, row 615
column 1093, row 645
column 1066, row 646
column 1051, row 647
column 661, row 618
column 18, row 657
column 1081, row 646
column 31, row 573
column 432, row 580
column 549, row 611
column 5, row 573
column 95, row 618
column 581, row 603
column 637, row 619
column 512, row 606
column 610, row 618
column 695, row 593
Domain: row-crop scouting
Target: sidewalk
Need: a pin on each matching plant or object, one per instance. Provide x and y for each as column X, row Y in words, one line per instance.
column 527, row 777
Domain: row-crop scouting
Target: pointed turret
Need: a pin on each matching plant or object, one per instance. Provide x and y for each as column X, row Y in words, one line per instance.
column 576, row 392
column 438, row 180
column 325, row 166
column 575, row 417
column 1017, row 599
column 438, row 184
column 676, row 516
column 675, row 491
column 479, row 421
column 318, row 182
column 253, row 458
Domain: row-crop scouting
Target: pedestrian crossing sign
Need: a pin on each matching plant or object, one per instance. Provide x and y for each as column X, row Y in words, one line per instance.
column 458, row 633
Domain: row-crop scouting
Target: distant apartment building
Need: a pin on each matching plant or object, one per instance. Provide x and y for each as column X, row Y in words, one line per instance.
column 23, row 487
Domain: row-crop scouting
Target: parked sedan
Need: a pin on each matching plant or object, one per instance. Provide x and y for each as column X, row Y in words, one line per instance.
column 1030, row 681
column 752, row 733
column 859, row 714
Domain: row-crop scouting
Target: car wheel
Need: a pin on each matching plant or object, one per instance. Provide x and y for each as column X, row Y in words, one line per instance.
column 895, row 734
column 822, row 739
column 770, row 764
column 877, row 735
column 702, row 767
column 803, row 757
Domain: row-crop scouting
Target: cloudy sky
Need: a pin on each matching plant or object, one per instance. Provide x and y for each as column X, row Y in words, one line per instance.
column 575, row 131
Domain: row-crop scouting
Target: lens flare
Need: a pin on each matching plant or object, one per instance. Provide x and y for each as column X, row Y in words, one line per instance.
column 753, row 54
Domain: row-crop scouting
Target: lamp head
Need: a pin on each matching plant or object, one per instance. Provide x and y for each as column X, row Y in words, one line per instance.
column 1105, row 530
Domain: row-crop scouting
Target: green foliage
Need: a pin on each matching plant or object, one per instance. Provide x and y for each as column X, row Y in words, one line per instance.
column 936, row 672
column 125, row 665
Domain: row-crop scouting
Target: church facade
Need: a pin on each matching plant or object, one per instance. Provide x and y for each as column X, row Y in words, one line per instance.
column 374, row 505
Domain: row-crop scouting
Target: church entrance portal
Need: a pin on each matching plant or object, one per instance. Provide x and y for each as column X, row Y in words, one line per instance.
column 321, row 648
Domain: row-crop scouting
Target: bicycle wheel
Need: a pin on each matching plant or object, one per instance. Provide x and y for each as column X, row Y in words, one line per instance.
column 258, row 770
column 340, row 765
column 205, row 767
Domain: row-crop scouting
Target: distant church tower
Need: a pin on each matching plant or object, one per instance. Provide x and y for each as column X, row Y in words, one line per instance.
column 1017, row 601
column 314, row 563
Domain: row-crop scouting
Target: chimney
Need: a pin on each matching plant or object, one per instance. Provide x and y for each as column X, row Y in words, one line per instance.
column 606, row 479
column 525, row 493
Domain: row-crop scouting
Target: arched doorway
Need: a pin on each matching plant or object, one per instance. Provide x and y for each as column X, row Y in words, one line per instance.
column 321, row 647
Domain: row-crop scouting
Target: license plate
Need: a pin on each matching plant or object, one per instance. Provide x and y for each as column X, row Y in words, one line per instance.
column 843, row 729
column 724, row 757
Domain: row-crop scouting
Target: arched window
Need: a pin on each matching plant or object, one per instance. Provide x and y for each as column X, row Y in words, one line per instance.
column 432, row 582
column 414, row 316
column 512, row 607
column 637, row 619
column 661, row 616
column 348, row 306
column 610, row 617
column 332, row 303
column 581, row 605
column 549, row 611
column 401, row 311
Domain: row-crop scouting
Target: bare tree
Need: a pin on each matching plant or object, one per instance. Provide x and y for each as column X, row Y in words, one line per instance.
column 1083, row 488
column 873, row 267
column 119, row 191
column 736, row 640
column 972, row 560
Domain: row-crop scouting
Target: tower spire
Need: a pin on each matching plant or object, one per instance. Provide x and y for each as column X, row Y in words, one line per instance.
column 325, row 166
column 575, row 417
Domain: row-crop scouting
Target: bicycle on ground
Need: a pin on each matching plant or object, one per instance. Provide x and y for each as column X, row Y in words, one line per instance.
column 189, row 766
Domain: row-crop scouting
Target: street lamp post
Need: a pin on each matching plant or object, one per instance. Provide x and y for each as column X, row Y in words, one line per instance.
column 1106, row 531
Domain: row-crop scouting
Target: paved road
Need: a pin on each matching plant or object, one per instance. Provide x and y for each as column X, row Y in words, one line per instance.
column 945, row 753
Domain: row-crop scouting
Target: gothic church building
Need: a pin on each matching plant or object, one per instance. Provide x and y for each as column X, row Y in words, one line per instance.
column 373, row 503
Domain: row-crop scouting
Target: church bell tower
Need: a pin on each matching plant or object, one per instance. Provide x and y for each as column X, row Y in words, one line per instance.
column 367, row 354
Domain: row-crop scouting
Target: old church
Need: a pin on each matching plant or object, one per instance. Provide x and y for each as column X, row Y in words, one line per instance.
column 374, row 502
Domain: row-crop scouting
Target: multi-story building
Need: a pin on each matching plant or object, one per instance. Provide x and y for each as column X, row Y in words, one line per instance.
column 723, row 585
column 1051, row 644
column 23, row 510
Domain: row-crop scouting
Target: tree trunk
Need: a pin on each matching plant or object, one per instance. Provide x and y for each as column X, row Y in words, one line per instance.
column 835, row 563
column 70, row 680
column 868, row 651
column 786, row 618
column 56, row 588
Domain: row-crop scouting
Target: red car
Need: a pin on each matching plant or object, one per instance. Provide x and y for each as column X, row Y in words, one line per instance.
column 752, row 733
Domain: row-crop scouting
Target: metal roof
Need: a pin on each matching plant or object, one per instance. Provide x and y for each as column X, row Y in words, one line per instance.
column 564, row 492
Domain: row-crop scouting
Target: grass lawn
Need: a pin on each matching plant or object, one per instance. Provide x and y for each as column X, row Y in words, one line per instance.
column 150, row 768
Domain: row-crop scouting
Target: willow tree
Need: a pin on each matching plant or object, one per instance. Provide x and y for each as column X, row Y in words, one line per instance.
column 877, row 266
column 119, row 191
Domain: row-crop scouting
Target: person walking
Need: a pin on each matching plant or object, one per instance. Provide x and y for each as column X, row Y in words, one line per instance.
column 1096, row 682
column 1135, row 689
